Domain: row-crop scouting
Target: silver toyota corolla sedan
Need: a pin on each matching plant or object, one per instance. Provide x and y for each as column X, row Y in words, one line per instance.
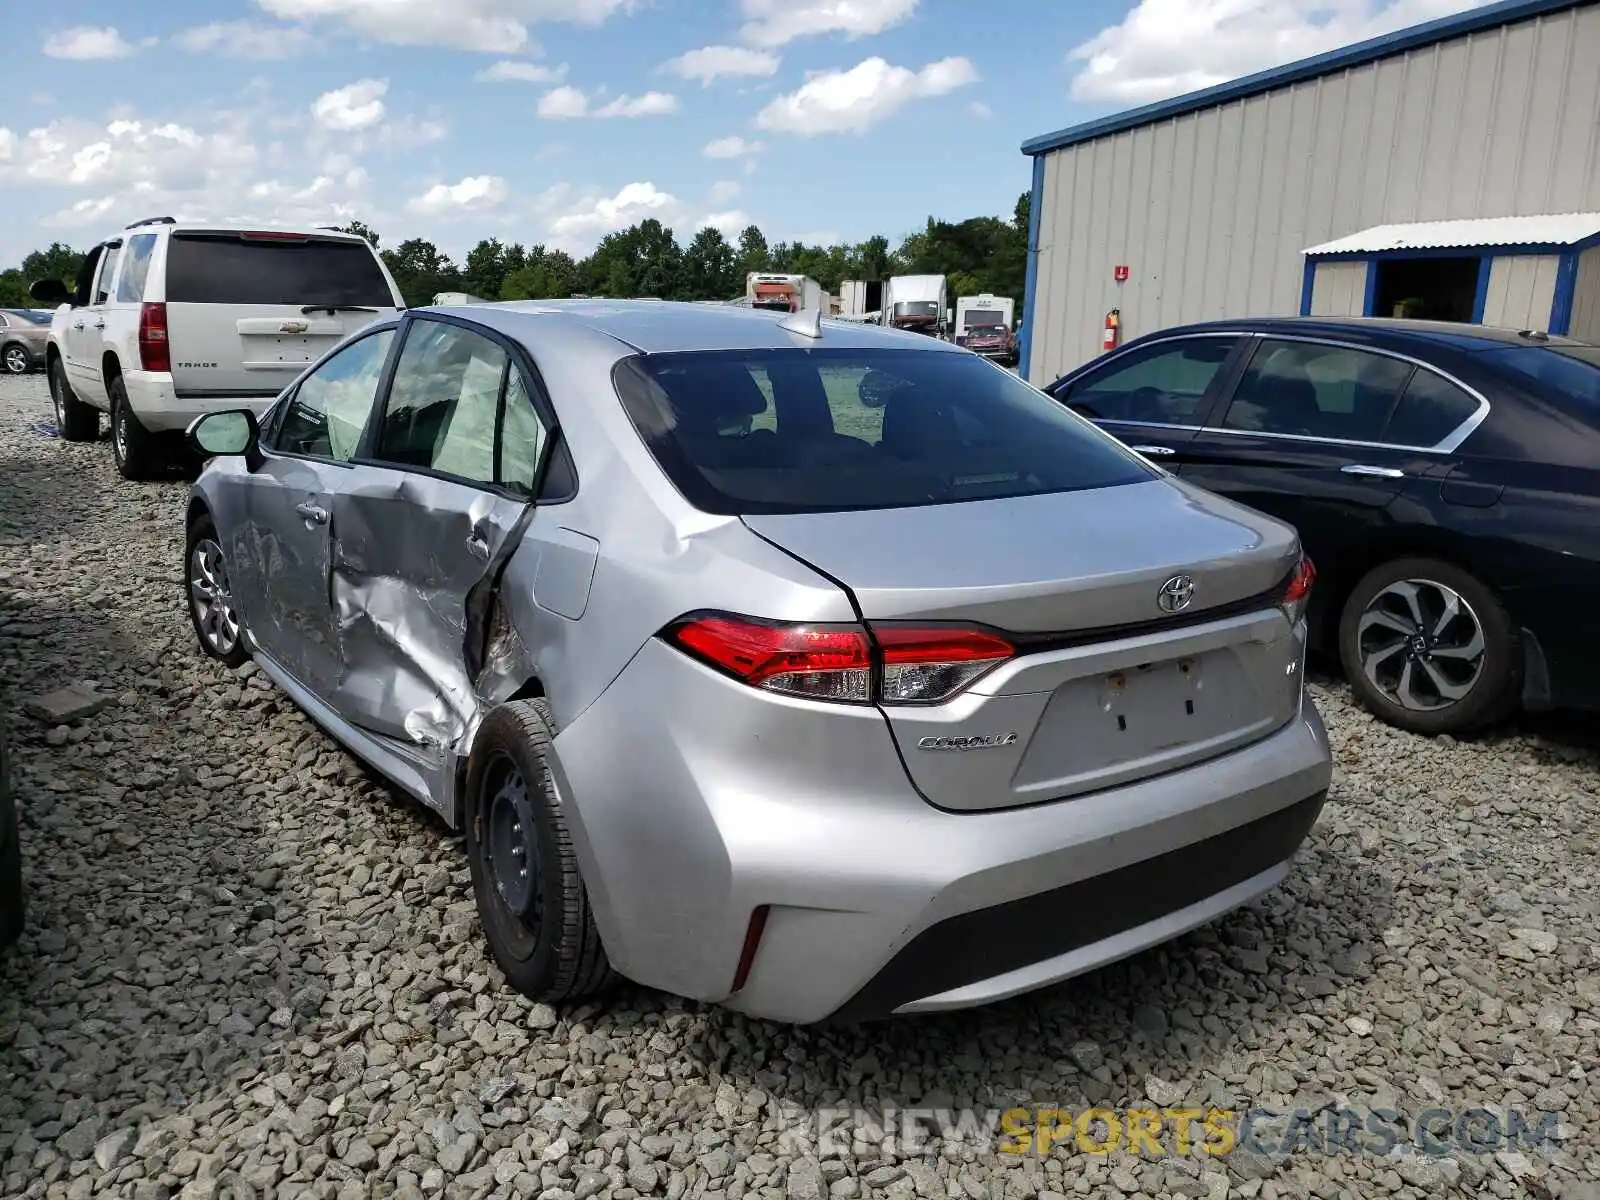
column 802, row 666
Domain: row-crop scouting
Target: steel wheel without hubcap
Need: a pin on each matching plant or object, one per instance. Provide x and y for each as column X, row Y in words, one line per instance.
column 1421, row 644
column 17, row 360
column 212, row 599
column 510, row 849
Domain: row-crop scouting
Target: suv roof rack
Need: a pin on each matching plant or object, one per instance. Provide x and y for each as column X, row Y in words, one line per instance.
column 152, row 221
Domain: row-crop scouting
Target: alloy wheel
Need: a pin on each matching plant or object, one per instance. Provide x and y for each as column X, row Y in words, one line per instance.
column 1421, row 645
column 212, row 598
column 57, row 398
column 16, row 360
column 119, row 432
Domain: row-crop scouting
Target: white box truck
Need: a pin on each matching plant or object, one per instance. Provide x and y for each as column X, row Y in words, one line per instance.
column 916, row 302
column 861, row 299
column 784, row 293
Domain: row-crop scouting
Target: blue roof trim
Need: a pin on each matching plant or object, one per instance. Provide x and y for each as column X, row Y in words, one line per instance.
column 1031, row 282
column 1504, row 12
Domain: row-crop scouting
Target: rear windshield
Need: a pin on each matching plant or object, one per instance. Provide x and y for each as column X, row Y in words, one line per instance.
column 1572, row 371
column 226, row 269
column 791, row 431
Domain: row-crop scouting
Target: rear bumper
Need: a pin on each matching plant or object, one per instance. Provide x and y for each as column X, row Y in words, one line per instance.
column 161, row 409
column 695, row 801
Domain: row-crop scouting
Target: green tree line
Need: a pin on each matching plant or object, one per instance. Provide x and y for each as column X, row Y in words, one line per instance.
column 980, row 254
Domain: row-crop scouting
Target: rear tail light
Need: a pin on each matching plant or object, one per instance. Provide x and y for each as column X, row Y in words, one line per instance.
column 888, row 663
column 154, row 351
column 1298, row 594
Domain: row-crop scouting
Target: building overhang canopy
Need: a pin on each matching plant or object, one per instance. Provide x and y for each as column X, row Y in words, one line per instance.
column 1549, row 234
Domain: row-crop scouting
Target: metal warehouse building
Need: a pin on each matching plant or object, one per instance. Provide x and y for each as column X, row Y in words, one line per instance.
column 1449, row 171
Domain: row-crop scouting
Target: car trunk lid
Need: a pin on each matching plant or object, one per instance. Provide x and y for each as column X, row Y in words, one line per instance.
column 1108, row 686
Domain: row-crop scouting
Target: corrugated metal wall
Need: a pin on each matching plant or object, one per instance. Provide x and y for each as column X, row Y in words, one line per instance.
column 1522, row 290
column 1211, row 210
column 1339, row 289
column 1586, row 298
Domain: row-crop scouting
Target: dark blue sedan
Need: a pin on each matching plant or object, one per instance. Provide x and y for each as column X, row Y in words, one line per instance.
column 1445, row 479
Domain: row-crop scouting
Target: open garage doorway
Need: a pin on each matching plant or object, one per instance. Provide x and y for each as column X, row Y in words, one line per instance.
column 1432, row 289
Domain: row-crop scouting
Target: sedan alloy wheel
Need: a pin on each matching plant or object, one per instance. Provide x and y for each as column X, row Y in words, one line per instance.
column 1421, row 644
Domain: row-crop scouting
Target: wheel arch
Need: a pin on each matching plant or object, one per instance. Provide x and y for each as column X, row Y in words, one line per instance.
column 110, row 368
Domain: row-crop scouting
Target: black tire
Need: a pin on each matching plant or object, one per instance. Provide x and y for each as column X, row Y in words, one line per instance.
column 138, row 453
column 547, row 944
column 75, row 420
column 215, row 619
column 15, row 359
column 1487, row 695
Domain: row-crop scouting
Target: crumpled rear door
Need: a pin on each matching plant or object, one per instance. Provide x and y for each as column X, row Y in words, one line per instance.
column 408, row 550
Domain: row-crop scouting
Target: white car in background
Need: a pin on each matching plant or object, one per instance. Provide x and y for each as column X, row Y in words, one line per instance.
column 169, row 321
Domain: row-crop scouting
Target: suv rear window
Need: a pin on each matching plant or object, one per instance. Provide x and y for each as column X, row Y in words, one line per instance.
column 229, row 269
column 793, row 430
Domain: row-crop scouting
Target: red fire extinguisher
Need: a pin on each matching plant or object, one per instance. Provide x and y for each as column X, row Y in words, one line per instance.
column 1113, row 332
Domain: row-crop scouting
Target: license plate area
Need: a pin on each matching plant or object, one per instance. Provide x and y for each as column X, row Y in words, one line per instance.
column 1145, row 718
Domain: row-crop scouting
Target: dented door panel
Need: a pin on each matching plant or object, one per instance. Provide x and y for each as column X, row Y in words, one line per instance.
column 408, row 552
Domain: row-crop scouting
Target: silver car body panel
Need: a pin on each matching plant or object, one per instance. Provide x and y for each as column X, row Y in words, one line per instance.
column 694, row 798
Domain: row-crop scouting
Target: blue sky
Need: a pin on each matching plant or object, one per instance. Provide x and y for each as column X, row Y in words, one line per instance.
column 556, row 121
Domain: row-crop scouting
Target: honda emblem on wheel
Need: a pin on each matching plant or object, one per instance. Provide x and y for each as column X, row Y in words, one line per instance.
column 1176, row 593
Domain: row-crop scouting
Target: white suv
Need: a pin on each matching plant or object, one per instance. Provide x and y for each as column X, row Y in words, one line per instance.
column 169, row 321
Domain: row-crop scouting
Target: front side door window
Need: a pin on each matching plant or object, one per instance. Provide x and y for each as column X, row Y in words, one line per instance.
column 442, row 409
column 328, row 410
column 1163, row 384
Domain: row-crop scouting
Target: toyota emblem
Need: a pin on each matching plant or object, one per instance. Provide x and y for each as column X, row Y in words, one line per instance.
column 1176, row 593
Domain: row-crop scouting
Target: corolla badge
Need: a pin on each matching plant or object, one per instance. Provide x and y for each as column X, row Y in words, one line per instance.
column 981, row 741
column 1176, row 593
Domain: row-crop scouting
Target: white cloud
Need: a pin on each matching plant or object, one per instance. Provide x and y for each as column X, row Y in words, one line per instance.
column 732, row 146
column 850, row 101
column 358, row 105
column 729, row 224
column 407, row 132
column 1168, row 47
column 488, row 26
column 8, row 144
column 516, row 71
column 562, row 103
column 473, row 194
column 710, row 62
column 81, row 213
column 724, row 190
column 245, row 39
column 586, row 223
column 980, row 110
column 88, row 42
column 776, row 22
column 651, row 104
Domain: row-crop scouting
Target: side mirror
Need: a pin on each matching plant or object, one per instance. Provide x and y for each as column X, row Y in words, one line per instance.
column 231, row 432
column 51, row 292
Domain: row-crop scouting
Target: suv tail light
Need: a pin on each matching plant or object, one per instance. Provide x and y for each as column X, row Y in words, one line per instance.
column 853, row 664
column 154, row 352
column 1298, row 593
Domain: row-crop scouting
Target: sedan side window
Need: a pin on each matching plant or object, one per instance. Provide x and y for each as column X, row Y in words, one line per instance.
column 443, row 403
column 1162, row 384
column 1306, row 389
column 325, row 415
column 1431, row 410
column 522, row 437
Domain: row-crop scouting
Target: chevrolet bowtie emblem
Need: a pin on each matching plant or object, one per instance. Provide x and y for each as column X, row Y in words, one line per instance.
column 293, row 327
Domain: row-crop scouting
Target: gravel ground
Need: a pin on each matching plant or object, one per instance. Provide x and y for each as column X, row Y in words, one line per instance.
column 251, row 971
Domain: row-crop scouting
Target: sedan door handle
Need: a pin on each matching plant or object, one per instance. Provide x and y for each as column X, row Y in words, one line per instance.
column 1154, row 451
column 1373, row 472
column 478, row 546
column 100, row 324
column 316, row 514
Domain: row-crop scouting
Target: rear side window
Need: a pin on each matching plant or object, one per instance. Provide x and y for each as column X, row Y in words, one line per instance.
column 1305, row 389
column 1157, row 385
column 245, row 269
column 1431, row 410
column 108, row 272
column 793, row 430
column 136, row 268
